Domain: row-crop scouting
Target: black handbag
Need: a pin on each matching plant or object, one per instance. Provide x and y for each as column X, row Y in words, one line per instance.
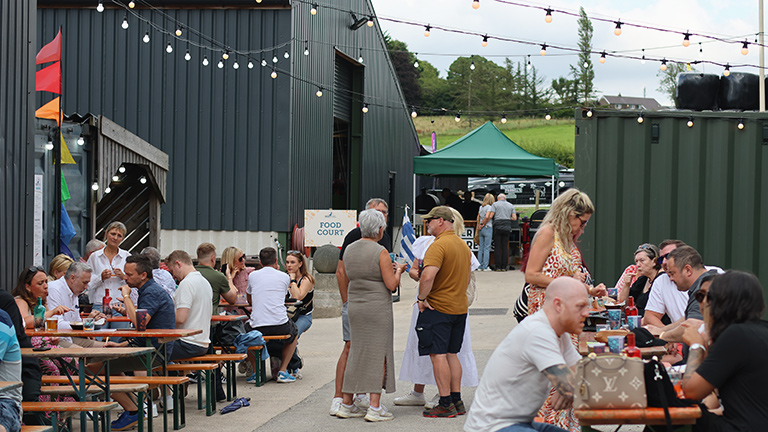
column 224, row 333
column 660, row 391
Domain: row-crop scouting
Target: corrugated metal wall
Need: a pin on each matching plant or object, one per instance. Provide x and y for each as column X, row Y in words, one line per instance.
column 226, row 131
column 703, row 184
column 18, row 44
column 389, row 139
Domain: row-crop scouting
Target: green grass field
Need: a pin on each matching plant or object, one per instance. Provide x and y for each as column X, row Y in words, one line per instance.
column 552, row 138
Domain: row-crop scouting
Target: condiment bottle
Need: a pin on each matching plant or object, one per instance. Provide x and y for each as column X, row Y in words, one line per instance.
column 631, row 350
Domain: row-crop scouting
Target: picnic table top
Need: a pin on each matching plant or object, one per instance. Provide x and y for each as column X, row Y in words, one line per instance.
column 646, row 416
column 647, row 352
column 91, row 353
column 157, row 333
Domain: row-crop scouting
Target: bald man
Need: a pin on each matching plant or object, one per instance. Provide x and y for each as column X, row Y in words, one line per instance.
column 534, row 357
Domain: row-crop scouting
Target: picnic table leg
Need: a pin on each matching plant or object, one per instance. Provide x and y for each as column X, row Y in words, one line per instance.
column 231, row 381
column 200, row 378
column 83, row 396
column 261, row 368
column 210, row 401
column 140, row 405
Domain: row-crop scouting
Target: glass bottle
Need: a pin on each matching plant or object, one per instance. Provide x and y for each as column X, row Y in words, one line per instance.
column 106, row 303
column 39, row 314
column 631, row 350
column 630, row 309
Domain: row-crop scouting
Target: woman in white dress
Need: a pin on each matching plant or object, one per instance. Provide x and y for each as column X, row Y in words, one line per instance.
column 418, row 369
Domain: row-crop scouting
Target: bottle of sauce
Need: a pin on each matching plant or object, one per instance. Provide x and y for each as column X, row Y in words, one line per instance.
column 630, row 309
column 106, row 302
column 631, row 350
column 39, row 314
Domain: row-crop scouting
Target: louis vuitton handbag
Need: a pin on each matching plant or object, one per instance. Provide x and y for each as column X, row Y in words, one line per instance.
column 609, row 381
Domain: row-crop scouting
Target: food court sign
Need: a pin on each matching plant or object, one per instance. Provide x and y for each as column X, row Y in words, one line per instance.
column 322, row 227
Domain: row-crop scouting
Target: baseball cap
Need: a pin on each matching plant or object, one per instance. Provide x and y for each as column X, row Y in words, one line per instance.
column 439, row 212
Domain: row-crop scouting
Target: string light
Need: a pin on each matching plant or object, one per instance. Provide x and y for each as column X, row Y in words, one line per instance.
column 413, row 112
column 274, row 59
column 476, row 4
column 586, row 63
column 49, row 144
column 178, row 31
column 205, row 60
column 503, row 118
column 590, row 113
column 115, row 178
column 169, row 48
column 485, row 41
column 602, row 57
column 124, row 25
column 187, row 56
column 690, row 122
column 107, row 190
column 100, row 8
column 472, row 65
column 617, row 30
column 642, row 60
column 95, row 185
column 121, row 169
column 146, row 37
column 273, row 74
column 416, row 63
column 286, row 55
column 548, row 16
column 313, row 10
column 365, row 108
column 745, row 48
column 543, row 51
column 360, row 59
column 686, row 39
column 263, row 63
column 701, row 51
column 81, row 140
column 663, row 66
column 306, row 48
column 688, row 66
column 319, row 92
column 741, row 124
column 370, row 21
column 529, row 65
column 225, row 56
column 458, row 117
column 727, row 70
column 548, row 116
column 235, row 65
column 426, row 30
column 142, row 180
column 640, row 118
column 250, row 64
column 220, row 64
column 131, row 4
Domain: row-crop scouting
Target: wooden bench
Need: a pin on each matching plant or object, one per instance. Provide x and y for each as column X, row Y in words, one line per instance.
column 58, row 407
column 210, row 390
column 644, row 416
column 179, row 414
column 67, row 390
column 229, row 360
column 33, row 428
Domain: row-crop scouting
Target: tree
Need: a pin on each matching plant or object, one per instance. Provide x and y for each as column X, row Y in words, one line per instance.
column 435, row 91
column 407, row 74
column 567, row 90
column 477, row 89
column 668, row 79
column 583, row 72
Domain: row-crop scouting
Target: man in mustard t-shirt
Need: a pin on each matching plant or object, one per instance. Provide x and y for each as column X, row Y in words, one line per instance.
column 443, row 309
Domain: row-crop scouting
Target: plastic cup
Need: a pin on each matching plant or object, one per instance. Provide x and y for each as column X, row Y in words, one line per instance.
column 614, row 317
column 598, row 348
column 634, row 322
column 141, row 319
column 616, row 344
column 602, row 327
column 88, row 323
column 613, row 292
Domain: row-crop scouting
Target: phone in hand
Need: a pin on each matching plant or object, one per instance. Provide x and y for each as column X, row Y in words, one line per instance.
column 41, row 348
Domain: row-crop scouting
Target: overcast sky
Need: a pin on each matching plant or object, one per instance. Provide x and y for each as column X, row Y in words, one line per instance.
column 731, row 19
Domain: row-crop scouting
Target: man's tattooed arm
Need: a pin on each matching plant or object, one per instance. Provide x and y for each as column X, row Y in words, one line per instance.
column 562, row 380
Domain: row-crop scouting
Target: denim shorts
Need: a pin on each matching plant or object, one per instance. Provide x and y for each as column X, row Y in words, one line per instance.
column 9, row 415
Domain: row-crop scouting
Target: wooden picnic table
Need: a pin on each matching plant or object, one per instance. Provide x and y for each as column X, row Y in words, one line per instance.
column 60, row 356
column 644, row 416
column 647, row 352
column 9, row 385
column 214, row 318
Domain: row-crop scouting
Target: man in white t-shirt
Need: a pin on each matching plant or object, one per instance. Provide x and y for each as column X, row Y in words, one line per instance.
column 266, row 292
column 193, row 299
column 534, row 357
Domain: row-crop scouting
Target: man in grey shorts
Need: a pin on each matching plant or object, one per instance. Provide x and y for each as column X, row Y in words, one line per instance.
column 341, row 275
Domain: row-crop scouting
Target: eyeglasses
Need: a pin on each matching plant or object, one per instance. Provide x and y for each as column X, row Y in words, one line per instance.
column 242, row 258
column 583, row 222
column 701, row 295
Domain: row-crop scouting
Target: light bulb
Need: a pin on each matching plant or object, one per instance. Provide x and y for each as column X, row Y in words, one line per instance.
column 205, row 60
column 688, row 66
column 727, row 70
column 485, row 41
column 169, row 48
column 263, row 62
column 472, row 66
column 701, row 51
column 250, row 64
column 529, row 65
column 225, row 55
column 642, row 60
column 617, row 30
column 121, row 169
column 124, row 25
column 503, row 118
column 100, row 7
column 370, row 22
column 286, row 55
column 687, row 40
column 413, row 113
column 131, row 4
column 548, row 16
column 365, row 108
column 458, row 117
column 220, row 65
column 360, row 59
column 663, row 65
column 274, row 59
column 543, row 50
column 476, row 4
column 740, row 125
column 319, row 92
column 107, row 190
column 690, row 122
column 142, row 180
column 95, row 186
column 306, row 51
column 547, row 116
column 235, row 65
column 313, row 10
column 745, row 48
column 273, row 74
column 426, row 31
column 146, row 37
column 590, row 113
column 80, row 140
column 640, row 118
column 178, row 31
column 416, row 64
column 187, row 56
column 115, row 178
column 49, row 145
column 602, row 57
column 586, row 64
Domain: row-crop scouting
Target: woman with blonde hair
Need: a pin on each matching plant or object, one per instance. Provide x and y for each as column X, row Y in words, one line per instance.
column 485, row 232
column 233, row 266
column 554, row 254
column 108, row 264
column 59, row 265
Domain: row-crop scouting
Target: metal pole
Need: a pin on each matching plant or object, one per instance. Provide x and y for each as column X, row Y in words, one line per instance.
column 762, row 58
column 553, row 189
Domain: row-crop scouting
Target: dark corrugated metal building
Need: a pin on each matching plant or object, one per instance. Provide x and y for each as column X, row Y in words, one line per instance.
column 659, row 179
column 248, row 153
column 18, row 43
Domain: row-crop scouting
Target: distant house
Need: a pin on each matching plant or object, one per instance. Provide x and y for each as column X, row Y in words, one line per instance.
column 623, row 103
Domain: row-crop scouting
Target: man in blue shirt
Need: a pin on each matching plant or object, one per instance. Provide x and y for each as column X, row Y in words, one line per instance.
column 161, row 314
column 10, row 370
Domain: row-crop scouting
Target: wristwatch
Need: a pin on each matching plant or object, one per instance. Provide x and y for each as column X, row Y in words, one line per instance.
column 698, row 346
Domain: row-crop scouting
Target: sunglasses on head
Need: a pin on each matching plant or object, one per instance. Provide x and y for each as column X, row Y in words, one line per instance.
column 294, row 252
column 701, row 295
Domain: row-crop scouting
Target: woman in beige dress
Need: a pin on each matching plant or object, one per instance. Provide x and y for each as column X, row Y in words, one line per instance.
column 370, row 367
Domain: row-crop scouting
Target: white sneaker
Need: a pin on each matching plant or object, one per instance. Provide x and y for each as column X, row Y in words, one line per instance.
column 335, row 405
column 168, row 403
column 350, row 412
column 381, row 414
column 362, row 401
column 431, row 404
column 154, row 411
column 411, row 399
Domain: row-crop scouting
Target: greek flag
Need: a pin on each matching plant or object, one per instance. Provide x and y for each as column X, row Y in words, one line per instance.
column 409, row 236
